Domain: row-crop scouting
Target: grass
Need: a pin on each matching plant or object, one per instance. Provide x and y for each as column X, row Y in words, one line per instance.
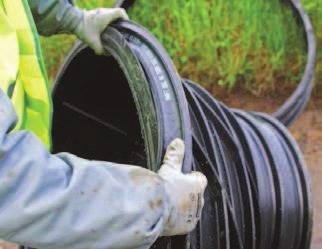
column 314, row 9
column 255, row 44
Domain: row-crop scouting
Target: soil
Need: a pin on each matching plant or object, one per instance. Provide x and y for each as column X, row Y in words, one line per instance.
column 307, row 131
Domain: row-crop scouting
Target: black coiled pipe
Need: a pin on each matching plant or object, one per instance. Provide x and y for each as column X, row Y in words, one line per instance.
column 258, row 194
column 261, row 174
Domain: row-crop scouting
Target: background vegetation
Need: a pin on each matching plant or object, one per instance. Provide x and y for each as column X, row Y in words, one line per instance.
column 314, row 9
column 254, row 44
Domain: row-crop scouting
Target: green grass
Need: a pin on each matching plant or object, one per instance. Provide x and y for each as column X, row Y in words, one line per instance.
column 254, row 44
column 314, row 9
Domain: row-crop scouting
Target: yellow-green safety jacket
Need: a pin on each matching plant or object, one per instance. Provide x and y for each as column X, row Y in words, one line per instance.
column 22, row 74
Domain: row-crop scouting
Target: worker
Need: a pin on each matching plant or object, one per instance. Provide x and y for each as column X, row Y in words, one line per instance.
column 62, row 201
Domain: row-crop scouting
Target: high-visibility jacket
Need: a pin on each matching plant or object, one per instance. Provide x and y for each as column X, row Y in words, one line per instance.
column 24, row 78
column 22, row 74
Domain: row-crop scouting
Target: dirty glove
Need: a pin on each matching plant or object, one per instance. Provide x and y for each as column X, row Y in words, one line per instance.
column 94, row 22
column 185, row 192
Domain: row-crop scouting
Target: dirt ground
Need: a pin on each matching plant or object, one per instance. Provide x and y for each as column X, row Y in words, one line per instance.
column 308, row 133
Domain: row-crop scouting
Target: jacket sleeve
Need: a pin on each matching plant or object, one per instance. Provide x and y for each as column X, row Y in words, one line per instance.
column 55, row 16
column 62, row 201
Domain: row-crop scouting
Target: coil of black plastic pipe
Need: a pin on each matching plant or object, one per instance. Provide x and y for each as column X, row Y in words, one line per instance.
column 128, row 105
column 292, row 108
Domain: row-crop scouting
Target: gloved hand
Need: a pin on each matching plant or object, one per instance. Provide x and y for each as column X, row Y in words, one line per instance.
column 185, row 192
column 94, row 22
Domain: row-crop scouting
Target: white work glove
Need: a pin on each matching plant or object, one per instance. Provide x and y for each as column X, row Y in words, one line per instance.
column 185, row 192
column 94, row 22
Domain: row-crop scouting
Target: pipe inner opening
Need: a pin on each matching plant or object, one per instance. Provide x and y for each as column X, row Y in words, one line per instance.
column 94, row 112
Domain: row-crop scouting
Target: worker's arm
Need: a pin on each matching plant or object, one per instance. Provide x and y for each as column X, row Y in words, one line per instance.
column 62, row 201
column 61, row 16
column 55, row 16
